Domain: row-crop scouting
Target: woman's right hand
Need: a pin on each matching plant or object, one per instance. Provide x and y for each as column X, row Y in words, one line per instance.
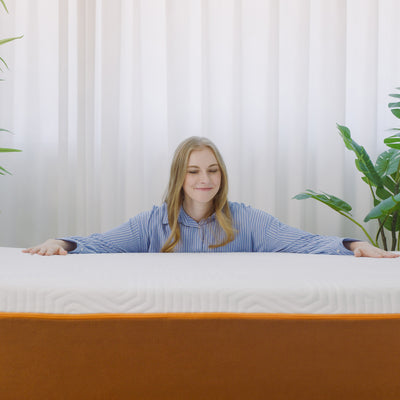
column 51, row 247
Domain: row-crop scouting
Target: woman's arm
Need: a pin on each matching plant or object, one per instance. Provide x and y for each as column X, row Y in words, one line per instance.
column 271, row 235
column 130, row 237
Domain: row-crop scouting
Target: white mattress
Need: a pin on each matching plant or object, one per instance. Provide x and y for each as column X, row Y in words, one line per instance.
column 198, row 282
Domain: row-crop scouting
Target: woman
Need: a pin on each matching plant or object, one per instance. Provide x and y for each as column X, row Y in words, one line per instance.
column 197, row 217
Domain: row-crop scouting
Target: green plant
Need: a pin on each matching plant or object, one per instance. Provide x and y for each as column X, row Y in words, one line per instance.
column 3, row 64
column 383, row 179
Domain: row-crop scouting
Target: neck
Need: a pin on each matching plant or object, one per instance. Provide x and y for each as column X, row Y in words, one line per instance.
column 197, row 211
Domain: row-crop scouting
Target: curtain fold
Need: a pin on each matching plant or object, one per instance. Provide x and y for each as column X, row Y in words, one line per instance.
column 100, row 92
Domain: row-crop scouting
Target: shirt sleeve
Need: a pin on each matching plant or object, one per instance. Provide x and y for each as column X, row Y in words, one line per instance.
column 271, row 235
column 130, row 237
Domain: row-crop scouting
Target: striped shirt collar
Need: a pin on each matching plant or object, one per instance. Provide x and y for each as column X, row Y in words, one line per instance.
column 186, row 219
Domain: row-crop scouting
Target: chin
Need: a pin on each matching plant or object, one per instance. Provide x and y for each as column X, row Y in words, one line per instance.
column 203, row 198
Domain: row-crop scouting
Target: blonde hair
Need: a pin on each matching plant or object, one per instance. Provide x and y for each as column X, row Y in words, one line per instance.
column 174, row 196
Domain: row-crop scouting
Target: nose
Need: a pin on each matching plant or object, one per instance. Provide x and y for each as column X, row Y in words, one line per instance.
column 204, row 178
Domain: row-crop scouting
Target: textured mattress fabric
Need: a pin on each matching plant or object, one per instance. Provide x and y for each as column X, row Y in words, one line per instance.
column 198, row 282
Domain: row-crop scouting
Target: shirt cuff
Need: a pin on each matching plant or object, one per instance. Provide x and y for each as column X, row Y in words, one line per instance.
column 346, row 251
column 78, row 249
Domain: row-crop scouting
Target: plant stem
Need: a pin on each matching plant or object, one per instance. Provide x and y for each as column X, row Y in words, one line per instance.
column 397, row 174
column 396, row 213
column 358, row 224
column 394, row 221
column 382, row 232
column 398, row 242
column 397, row 188
column 372, row 192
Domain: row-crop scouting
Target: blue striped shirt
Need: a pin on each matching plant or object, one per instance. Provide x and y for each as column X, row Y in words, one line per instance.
column 257, row 231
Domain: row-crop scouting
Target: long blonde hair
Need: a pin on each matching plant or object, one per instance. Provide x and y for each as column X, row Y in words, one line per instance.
column 174, row 196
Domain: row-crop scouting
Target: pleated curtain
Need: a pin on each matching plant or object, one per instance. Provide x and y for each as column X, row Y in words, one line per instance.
column 100, row 92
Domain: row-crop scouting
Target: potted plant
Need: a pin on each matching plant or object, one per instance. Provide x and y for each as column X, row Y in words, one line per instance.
column 3, row 64
column 383, row 179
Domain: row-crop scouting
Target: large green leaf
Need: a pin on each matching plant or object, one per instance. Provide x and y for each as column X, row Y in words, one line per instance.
column 366, row 180
column 383, row 193
column 4, row 5
column 396, row 112
column 3, row 171
column 328, row 199
column 3, row 150
column 3, row 62
column 346, row 135
column 394, row 105
column 363, row 161
column 389, row 182
column 3, row 41
column 393, row 141
column 397, row 96
column 387, row 162
column 384, row 208
column 389, row 222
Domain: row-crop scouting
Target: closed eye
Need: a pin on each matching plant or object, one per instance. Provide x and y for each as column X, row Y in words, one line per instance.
column 211, row 171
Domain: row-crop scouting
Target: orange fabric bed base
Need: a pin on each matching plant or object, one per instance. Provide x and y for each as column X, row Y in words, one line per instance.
column 199, row 356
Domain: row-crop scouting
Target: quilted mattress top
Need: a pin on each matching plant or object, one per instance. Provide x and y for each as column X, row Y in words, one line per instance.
column 198, row 282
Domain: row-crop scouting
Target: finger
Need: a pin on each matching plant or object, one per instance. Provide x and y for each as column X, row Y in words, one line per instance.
column 388, row 254
column 29, row 251
column 378, row 253
column 384, row 254
column 373, row 253
column 41, row 251
column 56, row 251
column 50, row 252
column 369, row 252
column 34, row 250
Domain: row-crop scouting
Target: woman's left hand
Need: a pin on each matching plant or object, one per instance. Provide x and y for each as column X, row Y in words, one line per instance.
column 364, row 249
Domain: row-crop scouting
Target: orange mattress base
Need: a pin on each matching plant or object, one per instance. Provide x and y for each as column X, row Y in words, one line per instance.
column 199, row 356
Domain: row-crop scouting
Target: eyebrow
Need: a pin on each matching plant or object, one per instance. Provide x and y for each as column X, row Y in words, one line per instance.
column 195, row 166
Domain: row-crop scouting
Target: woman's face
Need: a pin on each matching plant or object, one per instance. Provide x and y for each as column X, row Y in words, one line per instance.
column 203, row 177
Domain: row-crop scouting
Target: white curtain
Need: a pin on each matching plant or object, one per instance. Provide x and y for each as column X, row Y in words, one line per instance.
column 100, row 92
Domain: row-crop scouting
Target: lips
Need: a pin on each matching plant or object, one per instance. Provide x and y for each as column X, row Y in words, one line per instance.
column 203, row 189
